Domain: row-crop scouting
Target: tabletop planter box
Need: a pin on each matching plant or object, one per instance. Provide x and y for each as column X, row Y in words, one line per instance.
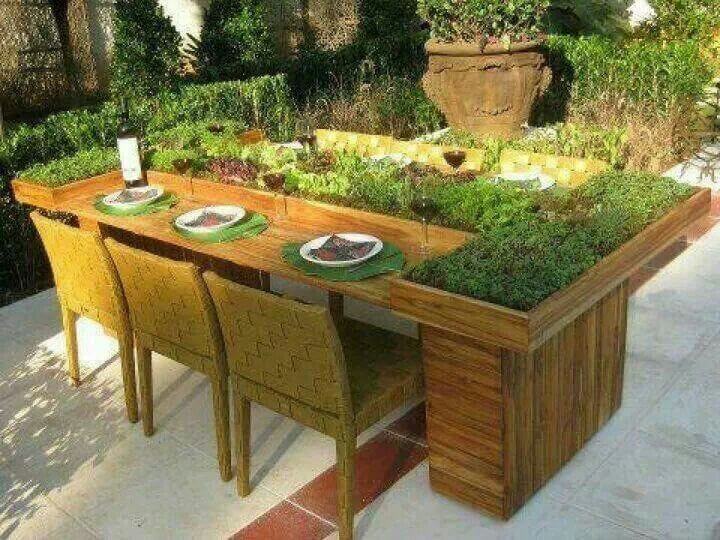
column 511, row 395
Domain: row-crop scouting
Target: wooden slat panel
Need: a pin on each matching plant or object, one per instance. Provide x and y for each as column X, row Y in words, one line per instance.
column 518, row 433
column 558, row 396
column 464, row 415
column 458, row 489
column 483, row 321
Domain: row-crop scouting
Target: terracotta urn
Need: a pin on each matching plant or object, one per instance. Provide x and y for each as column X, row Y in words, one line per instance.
column 488, row 89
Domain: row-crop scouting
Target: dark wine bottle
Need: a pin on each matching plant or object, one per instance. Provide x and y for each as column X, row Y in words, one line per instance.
column 128, row 142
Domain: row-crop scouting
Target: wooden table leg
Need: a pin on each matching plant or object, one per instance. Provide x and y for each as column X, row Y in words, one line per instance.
column 336, row 306
column 500, row 423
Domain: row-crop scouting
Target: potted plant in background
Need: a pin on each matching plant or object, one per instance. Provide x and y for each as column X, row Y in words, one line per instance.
column 485, row 67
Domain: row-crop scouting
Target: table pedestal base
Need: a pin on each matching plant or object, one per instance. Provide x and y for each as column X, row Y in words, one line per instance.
column 500, row 423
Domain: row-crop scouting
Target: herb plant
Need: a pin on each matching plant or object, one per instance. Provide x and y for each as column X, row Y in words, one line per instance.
column 477, row 20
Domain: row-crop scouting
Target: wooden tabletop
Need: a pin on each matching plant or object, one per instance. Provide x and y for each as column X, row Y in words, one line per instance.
column 262, row 252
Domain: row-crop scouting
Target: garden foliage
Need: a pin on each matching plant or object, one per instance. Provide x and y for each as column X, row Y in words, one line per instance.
column 683, row 19
column 235, row 41
column 146, row 59
column 474, row 20
column 590, row 68
column 521, row 262
column 263, row 102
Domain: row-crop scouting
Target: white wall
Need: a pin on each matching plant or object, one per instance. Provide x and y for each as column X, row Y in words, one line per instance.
column 640, row 11
column 186, row 15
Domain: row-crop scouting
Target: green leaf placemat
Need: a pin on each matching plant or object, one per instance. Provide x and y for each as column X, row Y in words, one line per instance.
column 251, row 226
column 390, row 259
column 166, row 202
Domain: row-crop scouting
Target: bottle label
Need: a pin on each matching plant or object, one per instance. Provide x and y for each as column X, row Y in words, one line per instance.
column 130, row 159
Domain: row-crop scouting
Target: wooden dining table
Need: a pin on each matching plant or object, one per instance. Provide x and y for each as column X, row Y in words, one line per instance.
column 511, row 395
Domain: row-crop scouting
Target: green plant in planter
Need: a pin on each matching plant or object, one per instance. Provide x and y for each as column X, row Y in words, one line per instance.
column 78, row 167
column 165, row 160
column 476, row 20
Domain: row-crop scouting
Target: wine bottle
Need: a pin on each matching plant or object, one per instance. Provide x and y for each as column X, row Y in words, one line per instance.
column 128, row 142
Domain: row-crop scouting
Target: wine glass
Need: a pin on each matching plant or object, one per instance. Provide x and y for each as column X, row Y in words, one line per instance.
column 455, row 158
column 276, row 182
column 182, row 165
column 425, row 207
column 307, row 137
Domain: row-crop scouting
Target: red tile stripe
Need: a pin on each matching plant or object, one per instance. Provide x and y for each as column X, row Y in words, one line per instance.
column 380, row 462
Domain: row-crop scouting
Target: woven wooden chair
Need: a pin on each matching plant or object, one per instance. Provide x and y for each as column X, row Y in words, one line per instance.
column 289, row 357
column 88, row 285
column 567, row 171
column 172, row 314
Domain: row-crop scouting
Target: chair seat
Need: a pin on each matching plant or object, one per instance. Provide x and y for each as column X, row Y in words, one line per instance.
column 384, row 370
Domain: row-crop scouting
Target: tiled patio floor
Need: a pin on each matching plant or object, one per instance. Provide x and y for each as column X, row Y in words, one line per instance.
column 72, row 467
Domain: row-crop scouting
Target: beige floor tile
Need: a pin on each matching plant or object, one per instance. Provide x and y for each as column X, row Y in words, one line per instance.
column 159, row 488
column 658, row 488
column 26, row 515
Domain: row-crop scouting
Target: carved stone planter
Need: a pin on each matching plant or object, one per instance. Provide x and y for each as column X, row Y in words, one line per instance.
column 486, row 89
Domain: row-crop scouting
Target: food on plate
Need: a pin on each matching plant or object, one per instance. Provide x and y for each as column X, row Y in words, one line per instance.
column 337, row 248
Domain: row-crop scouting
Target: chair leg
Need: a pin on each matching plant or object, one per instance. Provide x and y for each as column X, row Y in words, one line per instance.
column 242, row 441
column 221, row 405
column 69, row 320
column 146, row 389
column 127, row 363
column 346, row 486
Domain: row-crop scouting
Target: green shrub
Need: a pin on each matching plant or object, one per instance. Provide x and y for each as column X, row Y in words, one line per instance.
column 82, row 165
column 471, row 20
column 235, row 41
column 683, row 19
column 590, row 68
column 388, row 105
column 262, row 102
column 146, row 58
column 607, row 17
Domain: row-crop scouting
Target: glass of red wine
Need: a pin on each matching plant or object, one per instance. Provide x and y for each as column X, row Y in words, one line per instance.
column 426, row 208
column 455, row 158
column 276, row 182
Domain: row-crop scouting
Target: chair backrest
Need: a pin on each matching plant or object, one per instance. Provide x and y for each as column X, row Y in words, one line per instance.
column 281, row 344
column 168, row 301
column 360, row 143
column 567, row 171
column 85, row 276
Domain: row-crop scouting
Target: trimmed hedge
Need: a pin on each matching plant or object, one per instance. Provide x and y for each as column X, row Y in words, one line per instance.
column 589, row 68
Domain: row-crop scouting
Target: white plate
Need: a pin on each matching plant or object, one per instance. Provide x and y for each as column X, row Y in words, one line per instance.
column 353, row 237
column 400, row 159
column 235, row 212
column 292, row 145
column 546, row 182
column 110, row 200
